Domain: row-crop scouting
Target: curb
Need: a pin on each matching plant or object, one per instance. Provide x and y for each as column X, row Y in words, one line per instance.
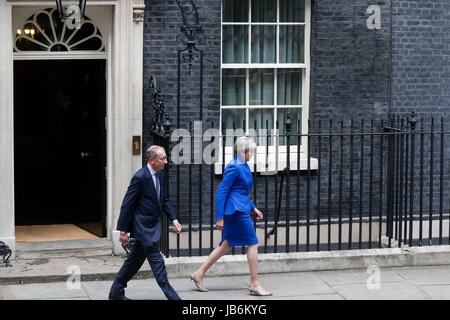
column 64, row 277
column 317, row 261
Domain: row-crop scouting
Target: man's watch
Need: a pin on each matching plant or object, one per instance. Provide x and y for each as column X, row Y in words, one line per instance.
column 122, row 233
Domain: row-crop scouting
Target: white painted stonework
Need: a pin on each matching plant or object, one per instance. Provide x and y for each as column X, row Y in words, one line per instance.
column 7, row 233
column 123, row 28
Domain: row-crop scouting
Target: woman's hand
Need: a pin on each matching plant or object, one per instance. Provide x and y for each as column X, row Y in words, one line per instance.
column 219, row 224
column 258, row 214
column 177, row 226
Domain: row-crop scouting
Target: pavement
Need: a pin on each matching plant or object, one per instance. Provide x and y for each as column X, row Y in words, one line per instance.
column 417, row 273
column 373, row 283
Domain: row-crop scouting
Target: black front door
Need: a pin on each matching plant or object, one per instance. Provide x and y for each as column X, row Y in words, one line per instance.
column 60, row 143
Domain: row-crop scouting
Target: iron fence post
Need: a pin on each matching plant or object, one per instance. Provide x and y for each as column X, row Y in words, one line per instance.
column 390, row 182
column 412, row 125
column 288, row 126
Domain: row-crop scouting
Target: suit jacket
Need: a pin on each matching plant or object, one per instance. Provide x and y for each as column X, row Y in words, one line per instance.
column 233, row 193
column 141, row 211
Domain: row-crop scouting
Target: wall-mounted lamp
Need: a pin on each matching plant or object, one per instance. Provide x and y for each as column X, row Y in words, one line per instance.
column 63, row 14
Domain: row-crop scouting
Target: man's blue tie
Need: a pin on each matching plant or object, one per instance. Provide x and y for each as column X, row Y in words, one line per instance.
column 157, row 185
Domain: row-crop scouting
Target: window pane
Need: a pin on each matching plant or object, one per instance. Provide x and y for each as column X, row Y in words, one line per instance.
column 235, row 44
column 264, row 10
column 233, row 87
column 232, row 119
column 289, row 87
column 261, row 86
column 261, row 120
column 263, row 44
column 235, row 11
column 291, row 44
column 292, row 11
column 296, row 117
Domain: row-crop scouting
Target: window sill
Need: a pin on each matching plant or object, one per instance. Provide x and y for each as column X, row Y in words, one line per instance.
column 271, row 165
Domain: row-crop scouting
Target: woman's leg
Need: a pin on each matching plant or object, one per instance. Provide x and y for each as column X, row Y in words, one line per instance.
column 252, row 258
column 215, row 255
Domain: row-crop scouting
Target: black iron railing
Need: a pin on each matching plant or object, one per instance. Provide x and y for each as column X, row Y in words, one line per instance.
column 5, row 252
column 353, row 185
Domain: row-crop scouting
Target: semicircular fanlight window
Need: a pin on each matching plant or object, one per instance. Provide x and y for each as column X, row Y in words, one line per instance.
column 44, row 31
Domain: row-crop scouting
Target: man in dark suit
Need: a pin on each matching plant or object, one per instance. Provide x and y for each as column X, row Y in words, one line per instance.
column 140, row 216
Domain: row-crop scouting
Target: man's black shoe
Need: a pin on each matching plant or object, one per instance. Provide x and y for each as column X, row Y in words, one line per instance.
column 112, row 297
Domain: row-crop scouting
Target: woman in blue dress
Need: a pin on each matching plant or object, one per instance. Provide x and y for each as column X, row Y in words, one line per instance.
column 233, row 215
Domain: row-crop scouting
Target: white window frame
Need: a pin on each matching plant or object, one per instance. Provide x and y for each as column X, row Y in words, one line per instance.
column 57, row 38
column 275, row 163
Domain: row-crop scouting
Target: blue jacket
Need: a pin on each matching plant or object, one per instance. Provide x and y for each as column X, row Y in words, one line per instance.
column 141, row 211
column 233, row 193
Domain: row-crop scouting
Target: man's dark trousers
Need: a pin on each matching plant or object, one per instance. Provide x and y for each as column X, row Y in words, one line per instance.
column 135, row 261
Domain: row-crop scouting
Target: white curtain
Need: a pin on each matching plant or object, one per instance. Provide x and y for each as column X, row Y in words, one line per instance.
column 264, row 10
column 261, row 86
column 262, row 119
column 291, row 44
column 233, row 87
column 292, row 11
column 235, row 44
column 263, row 44
column 289, row 87
column 235, row 10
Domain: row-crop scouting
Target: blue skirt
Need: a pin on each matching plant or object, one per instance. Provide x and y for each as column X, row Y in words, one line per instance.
column 238, row 230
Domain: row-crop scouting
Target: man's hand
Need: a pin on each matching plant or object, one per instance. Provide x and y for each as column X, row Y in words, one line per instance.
column 177, row 226
column 123, row 238
column 219, row 224
column 258, row 214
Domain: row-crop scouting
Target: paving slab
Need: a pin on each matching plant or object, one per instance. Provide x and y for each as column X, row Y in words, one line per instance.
column 310, row 297
column 241, row 294
column 92, row 268
column 295, row 284
column 437, row 292
column 83, row 298
column 399, row 283
column 48, row 291
column 97, row 290
column 59, row 269
column 359, row 276
column 427, row 275
column 387, row 291
column 148, row 289
column 213, row 283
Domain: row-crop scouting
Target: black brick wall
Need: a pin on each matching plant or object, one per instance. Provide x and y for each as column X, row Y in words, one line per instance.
column 421, row 56
column 161, row 28
column 349, row 62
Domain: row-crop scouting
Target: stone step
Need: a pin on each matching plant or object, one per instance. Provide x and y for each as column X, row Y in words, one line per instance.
column 64, row 249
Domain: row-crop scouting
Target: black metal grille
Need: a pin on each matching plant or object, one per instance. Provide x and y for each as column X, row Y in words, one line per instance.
column 361, row 184
column 5, row 252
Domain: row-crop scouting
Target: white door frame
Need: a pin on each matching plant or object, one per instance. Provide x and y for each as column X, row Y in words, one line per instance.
column 124, row 106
